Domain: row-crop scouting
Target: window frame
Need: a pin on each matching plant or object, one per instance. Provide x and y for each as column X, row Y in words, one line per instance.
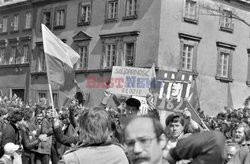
column 6, row 25
column 222, row 21
column 57, row 9
column 41, row 63
column 111, row 55
column 107, row 12
column 194, row 41
column 85, row 66
column 26, row 21
column 16, row 23
column 125, row 54
column 13, row 55
column 25, row 57
column 43, row 11
column 120, row 39
column 79, row 20
column 136, row 10
column 229, row 49
column 187, row 18
column 2, row 56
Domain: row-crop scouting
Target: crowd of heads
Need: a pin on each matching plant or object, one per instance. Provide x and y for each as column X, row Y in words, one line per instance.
column 143, row 136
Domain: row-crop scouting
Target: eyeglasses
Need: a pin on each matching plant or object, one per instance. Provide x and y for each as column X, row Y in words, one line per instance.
column 143, row 141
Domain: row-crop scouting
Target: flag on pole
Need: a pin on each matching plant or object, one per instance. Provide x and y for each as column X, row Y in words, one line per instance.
column 193, row 98
column 60, row 59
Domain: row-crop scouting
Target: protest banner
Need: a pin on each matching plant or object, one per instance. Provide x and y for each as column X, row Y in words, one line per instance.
column 131, row 80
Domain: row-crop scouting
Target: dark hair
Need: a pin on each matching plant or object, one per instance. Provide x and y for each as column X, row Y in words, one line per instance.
column 133, row 102
column 95, row 126
column 15, row 116
column 27, row 113
column 174, row 118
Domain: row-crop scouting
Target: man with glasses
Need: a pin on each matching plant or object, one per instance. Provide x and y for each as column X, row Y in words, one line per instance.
column 145, row 140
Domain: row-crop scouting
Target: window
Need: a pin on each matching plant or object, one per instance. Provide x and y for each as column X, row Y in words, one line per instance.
column 24, row 58
column 18, row 55
column 46, row 18
column 119, row 49
column 224, row 62
column 41, row 95
column 226, row 21
column 28, row 20
column 83, row 62
column 12, row 59
column 187, row 57
column 112, row 10
column 5, row 23
column 16, row 22
column 84, row 14
column 188, row 53
column 2, row 56
column 41, row 66
column 129, row 54
column 191, row 11
column 60, row 14
column 131, row 8
column 110, row 55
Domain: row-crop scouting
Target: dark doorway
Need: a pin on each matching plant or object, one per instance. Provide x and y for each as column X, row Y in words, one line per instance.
column 19, row 93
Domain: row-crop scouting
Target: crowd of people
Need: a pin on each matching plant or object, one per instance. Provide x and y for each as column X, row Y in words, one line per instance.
column 39, row 134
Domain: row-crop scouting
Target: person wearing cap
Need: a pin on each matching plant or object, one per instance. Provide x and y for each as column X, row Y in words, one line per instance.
column 175, row 125
column 132, row 106
column 9, row 153
column 207, row 147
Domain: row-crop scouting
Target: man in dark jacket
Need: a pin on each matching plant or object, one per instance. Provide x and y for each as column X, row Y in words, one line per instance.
column 11, row 130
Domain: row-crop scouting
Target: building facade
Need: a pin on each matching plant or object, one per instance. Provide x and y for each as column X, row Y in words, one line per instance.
column 15, row 48
column 209, row 39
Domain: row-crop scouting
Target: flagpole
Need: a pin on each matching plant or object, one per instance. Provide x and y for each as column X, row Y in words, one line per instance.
column 49, row 82
column 198, row 116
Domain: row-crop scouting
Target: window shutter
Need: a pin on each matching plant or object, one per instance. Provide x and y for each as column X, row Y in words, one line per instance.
column 102, row 65
column 194, row 65
column 197, row 11
column 230, row 64
column 181, row 52
column 218, row 60
column 221, row 17
column 134, row 54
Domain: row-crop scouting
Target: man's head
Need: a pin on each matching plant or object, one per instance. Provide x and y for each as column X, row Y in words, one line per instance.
column 175, row 124
column 95, row 126
column 27, row 115
column 132, row 106
column 10, row 148
column 16, row 116
column 145, row 140
column 232, row 149
column 39, row 115
column 242, row 133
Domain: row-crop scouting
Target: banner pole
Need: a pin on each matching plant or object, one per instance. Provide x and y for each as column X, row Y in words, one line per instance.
column 48, row 77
